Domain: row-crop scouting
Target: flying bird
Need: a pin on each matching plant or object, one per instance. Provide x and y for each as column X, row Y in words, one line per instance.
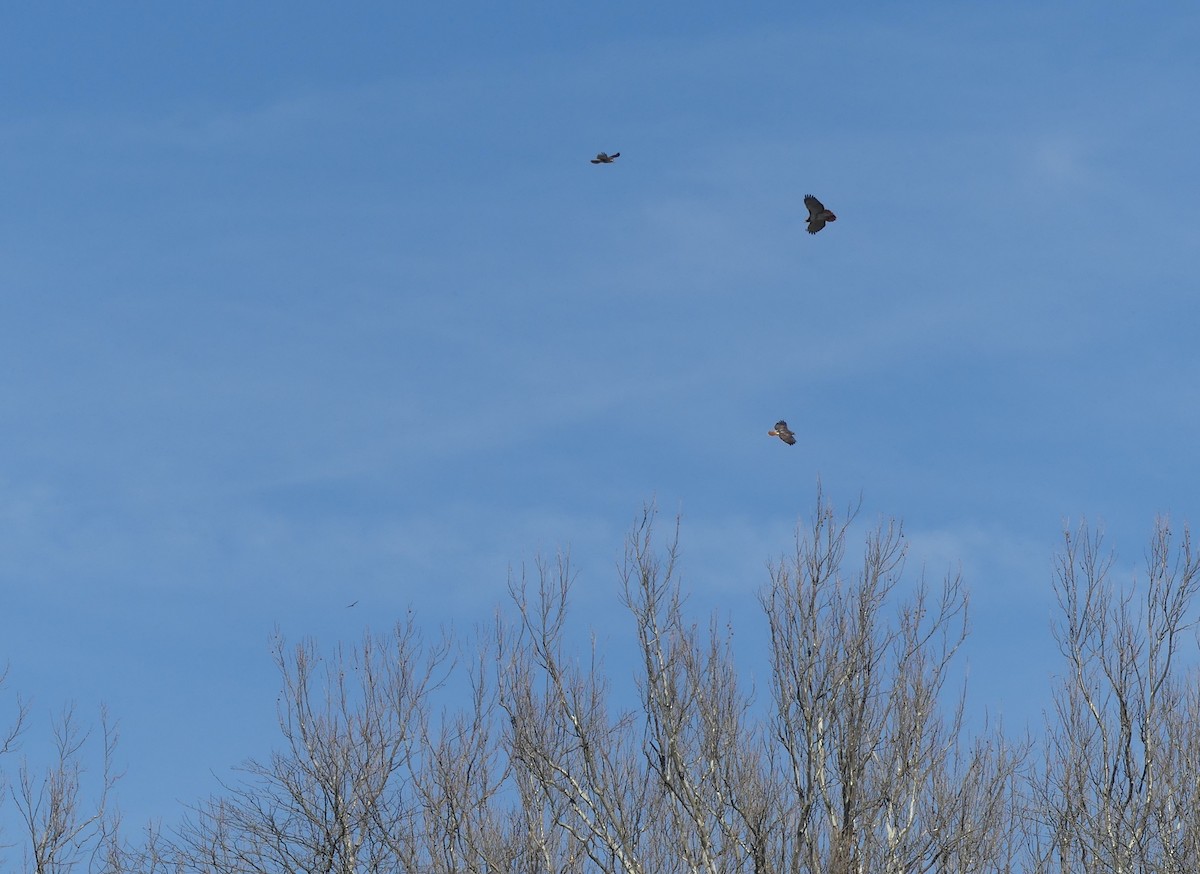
column 605, row 158
column 817, row 214
column 783, row 432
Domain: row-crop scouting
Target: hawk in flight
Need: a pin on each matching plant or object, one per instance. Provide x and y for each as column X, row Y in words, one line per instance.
column 783, row 432
column 605, row 158
column 817, row 214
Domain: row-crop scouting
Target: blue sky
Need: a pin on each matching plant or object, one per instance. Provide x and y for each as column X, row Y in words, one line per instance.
column 302, row 306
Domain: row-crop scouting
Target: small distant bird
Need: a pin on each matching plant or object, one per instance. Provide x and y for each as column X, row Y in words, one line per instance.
column 817, row 214
column 605, row 158
column 352, row 603
column 783, row 432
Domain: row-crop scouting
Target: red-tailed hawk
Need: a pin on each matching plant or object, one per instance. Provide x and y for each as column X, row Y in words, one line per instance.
column 604, row 158
column 817, row 214
column 783, row 432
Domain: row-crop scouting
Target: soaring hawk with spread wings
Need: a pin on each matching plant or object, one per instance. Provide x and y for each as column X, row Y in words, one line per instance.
column 783, row 432
column 604, row 158
column 818, row 215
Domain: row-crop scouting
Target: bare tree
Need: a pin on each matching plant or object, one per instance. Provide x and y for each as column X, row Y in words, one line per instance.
column 340, row 796
column 470, row 822
column 118, row 854
column 701, row 743
column 8, row 742
column 63, row 828
column 878, row 775
column 1120, row 788
column 580, row 769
